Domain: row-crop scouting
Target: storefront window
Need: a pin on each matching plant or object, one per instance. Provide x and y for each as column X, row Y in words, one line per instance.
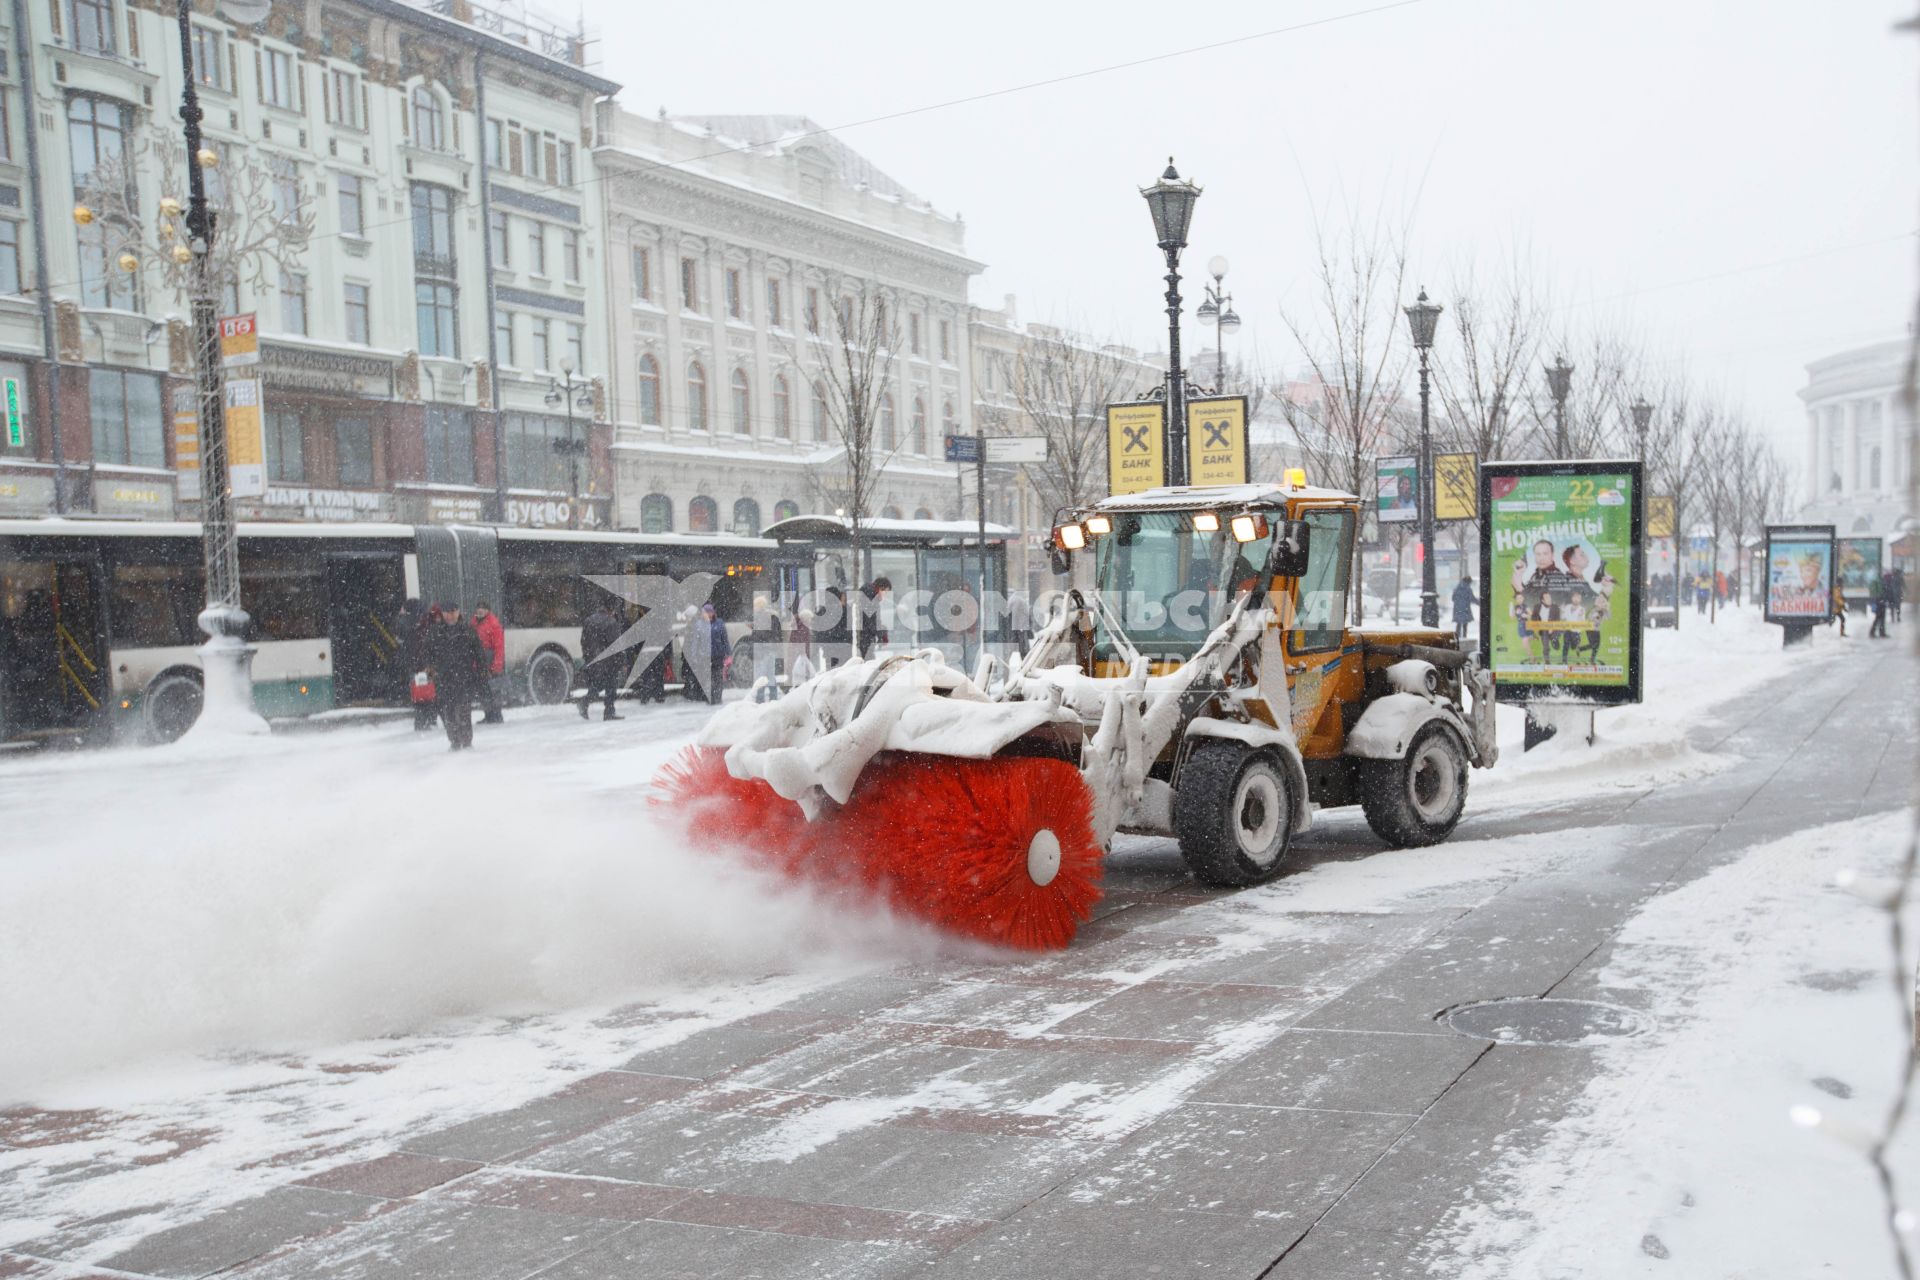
column 449, row 446
column 656, row 513
column 703, row 515
column 746, row 517
column 286, row 447
column 532, row 460
column 128, row 427
column 785, row 509
column 353, row 447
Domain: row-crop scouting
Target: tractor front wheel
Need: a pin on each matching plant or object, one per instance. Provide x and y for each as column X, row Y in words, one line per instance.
column 1417, row 799
column 1234, row 813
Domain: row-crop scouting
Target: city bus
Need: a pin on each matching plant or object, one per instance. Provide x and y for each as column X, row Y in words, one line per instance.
column 98, row 618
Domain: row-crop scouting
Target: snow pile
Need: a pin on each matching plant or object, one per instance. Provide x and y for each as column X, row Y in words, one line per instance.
column 1776, row 997
column 308, row 898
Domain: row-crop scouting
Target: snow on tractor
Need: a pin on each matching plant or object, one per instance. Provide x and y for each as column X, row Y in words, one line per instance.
column 1205, row 688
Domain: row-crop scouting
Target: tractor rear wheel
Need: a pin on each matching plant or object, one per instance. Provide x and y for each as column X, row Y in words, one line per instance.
column 1417, row 799
column 1234, row 813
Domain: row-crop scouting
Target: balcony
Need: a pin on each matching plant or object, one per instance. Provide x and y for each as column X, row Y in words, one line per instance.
column 441, row 266
column 535, row 33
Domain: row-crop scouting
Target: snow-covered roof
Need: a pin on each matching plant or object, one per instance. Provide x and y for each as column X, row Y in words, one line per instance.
column 839, row 528
column 1220, row 496
column 792, row 133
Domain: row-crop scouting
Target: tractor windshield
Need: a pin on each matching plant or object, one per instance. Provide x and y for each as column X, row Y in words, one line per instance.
column 1168, row 583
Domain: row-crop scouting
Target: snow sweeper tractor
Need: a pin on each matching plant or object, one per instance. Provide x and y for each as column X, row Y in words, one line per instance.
column 1204, row 687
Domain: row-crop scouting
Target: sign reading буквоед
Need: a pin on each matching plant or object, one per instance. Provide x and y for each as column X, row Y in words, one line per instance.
column 1561, row 589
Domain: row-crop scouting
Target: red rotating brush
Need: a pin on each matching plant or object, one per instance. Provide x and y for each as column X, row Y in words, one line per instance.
column 1001, row 850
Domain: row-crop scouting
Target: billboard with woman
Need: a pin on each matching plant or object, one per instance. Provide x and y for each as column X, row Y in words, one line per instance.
column 1799, row 573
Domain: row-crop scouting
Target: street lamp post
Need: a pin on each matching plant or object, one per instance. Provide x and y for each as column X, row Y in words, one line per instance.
column 1423, row 317
column 1642, row 418
column 1559, row 383
column 226, row 659
column 1171, row 202
column 1218, row 311
column 569, row 390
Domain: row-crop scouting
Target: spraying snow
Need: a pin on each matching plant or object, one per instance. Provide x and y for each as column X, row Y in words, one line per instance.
column 368, row 889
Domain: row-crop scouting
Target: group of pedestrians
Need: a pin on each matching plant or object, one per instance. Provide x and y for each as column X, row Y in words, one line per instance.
column 450, row 662
column 1883, row 602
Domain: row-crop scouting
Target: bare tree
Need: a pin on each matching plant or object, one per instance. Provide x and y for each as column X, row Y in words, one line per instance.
column 263, row 205
column 1062, row 386
column 856, row 363
column 1346, row 336
column 1676, row 457
column 1481, row 375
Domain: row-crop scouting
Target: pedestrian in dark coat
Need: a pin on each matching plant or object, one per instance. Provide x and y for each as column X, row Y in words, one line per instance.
column 458, row 663
column 870, row 597
column 710, row 635
column 1881, row 603
column 1463, row 602
column 834, row 631
column 409, row 633
column 600, row 633
column 1896, row 591
column 486, row 625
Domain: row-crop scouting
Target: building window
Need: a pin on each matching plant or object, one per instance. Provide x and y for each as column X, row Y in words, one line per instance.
column 96, row 131
column 570, row 255
column 656, row 513
column 742, row 403
column 6, row 125
column 921, row 513
column 703, row 515
column 946, row 339
column 293, row 302
column 537, row 248
column 643, row 275
column 736, row 304
column 776, row 317
column 286, row 447
column 353, row 448
column 913, row 332
column 9, row 256
column 129, row 429
column 209, row 57
column 496, row 142
column 353, row 208
column 287, row 195
column 532, row 460
column 359, row 308
column 563, row 165
column 696, row 396
column 1873, row 469
column 813, row 310
column 843, row 316
column 689, row 284
column 577, row 346
column 746, row 518
column 888, row 440
column 542, row 341
column 497, row 233
column 649, row 391
column 91, row 22
column 947, row 424
column 276, row 78
column 503, row 338
column 434, row 309
column 919, row 441
column 782, row 407
column 820, row 419
column 343, row 97
column 449, row 446
column 433, row 230
column 429, row 120
column 785, row 509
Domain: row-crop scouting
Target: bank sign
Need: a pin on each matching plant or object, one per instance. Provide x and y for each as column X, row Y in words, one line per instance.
column 1217, row 445
column 1560, row 580
column 1136, row 446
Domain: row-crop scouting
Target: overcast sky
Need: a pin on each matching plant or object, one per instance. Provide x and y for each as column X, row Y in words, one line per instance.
column 1632, row 147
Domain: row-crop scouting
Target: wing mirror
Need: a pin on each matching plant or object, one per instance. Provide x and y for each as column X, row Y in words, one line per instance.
column 1287, row 556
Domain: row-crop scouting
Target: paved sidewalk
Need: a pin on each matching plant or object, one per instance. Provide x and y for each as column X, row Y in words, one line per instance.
column 1187, row 1091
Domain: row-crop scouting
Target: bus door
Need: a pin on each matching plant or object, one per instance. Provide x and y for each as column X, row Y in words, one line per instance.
column 53, row 661
column 364, row 593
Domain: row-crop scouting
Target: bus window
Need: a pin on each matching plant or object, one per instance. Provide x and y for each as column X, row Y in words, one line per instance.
column 542, row 595
column 286, row 598
column 157, row 605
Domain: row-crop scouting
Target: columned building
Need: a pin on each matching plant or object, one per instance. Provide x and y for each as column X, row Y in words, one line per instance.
column 731, row 239
column 1860, row 445
column 363, row 150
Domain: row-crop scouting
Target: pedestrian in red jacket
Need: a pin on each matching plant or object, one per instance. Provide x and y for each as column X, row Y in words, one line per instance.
column 493, row 638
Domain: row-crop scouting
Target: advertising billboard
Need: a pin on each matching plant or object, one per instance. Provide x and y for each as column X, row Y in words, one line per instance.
column 1136, row 446
column 1397, row 490
column 1561, row 581
column 1218, row 451
column 1857, row 566
column 1456, row 487
column 1799, row 573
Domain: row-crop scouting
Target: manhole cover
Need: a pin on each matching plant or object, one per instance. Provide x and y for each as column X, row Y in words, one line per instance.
column 1532, row 1020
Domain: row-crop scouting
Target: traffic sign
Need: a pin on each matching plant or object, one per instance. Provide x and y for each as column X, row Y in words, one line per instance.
column 963, row 449
column 1016, row 449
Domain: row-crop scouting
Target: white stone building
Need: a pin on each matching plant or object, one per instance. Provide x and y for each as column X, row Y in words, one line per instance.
column 729, row 239
column 378, row 388
column 1860, row 449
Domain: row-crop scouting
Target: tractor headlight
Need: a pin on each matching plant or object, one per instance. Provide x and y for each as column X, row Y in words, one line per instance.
column 1248, row 527
column 1206, row 521
column 1099, row 526
column 1070, row 537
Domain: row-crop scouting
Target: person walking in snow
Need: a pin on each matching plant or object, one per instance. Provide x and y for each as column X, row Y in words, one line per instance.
column 458, row 663
column 1463, row 602
column 1896, row 591
column 1880, row 603
column 486, row 625
column 408, row 632
column 598, row 635
column 869, row 604
column 709, row 651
